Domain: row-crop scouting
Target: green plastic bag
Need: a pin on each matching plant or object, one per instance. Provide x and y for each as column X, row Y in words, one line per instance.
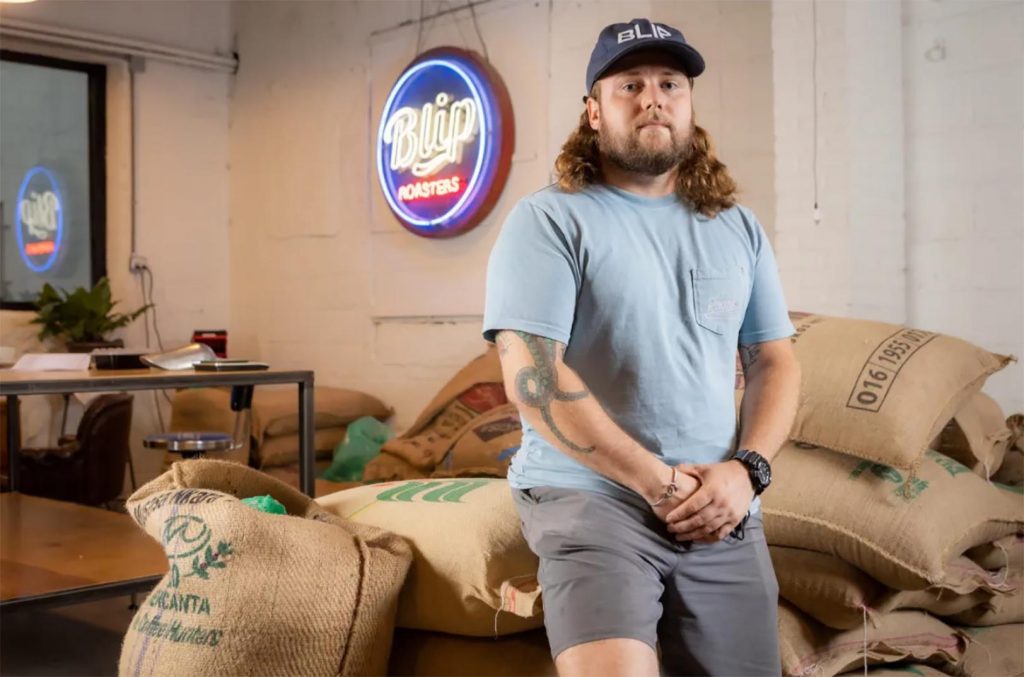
column 363, row 440
column 266, row 503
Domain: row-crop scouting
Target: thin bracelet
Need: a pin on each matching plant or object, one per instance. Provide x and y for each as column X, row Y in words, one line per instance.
column 670, row 489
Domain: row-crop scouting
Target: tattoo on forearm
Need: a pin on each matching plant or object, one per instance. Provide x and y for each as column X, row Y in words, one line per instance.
column 537, row 386
column 749, row 355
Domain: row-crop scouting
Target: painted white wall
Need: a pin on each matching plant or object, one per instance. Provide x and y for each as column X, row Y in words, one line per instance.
column 850, row 259
column 919, row 168
column 182, row 186
column 323, row 276
column 963, row 64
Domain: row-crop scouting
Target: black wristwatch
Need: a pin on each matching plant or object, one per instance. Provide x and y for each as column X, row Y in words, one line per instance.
column 758, row 468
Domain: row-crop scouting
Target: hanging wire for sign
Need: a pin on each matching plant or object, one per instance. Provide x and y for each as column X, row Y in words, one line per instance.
column 483, row 44
column 419, row 30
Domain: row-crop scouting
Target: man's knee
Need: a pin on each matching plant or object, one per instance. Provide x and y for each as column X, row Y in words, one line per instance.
column 618, row 657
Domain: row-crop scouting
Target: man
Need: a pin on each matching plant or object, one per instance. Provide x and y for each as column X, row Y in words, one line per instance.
column 618, row 298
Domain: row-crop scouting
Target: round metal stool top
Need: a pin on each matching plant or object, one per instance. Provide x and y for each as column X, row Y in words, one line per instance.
column 189, row 441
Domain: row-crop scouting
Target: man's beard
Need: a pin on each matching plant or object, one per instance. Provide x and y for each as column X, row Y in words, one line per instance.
column 628, row 154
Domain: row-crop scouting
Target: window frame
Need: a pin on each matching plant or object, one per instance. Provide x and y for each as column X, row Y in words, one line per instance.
column 97, row 129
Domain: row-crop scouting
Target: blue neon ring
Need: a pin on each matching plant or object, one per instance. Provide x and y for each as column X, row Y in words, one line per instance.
column 43, row 267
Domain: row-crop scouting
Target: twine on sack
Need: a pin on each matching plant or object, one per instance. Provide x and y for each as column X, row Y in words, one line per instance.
column 1002, row 576
column 864, row 611
column 507, row 597
column 988, row 472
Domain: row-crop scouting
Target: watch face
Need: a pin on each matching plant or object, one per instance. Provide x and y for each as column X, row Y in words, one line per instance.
column 764, row 474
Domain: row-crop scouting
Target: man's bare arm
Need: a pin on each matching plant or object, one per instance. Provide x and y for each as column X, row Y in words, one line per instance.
column 772, row 375
column 556, row 402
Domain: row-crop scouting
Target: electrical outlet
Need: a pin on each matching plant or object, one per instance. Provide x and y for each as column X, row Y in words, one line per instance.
column 137, row 263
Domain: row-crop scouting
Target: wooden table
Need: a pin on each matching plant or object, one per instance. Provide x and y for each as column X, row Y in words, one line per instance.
column 52, row 550
column 57, row 551
column 18, row 383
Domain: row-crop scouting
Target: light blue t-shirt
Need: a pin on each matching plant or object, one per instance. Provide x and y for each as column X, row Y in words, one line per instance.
column 651, row 300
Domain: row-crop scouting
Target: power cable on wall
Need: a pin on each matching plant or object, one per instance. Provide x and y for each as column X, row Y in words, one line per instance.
column 814, row 84
column 137, row 64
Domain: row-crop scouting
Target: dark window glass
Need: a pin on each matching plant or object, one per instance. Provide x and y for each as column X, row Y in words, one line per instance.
column 52, row 175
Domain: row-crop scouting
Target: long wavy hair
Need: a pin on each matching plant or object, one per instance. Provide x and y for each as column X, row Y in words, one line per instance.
column 703, row 182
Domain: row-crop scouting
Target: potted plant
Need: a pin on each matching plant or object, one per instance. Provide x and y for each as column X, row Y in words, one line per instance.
column 82, row 319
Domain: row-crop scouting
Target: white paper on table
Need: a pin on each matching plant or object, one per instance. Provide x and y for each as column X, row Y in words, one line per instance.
column 52, row 362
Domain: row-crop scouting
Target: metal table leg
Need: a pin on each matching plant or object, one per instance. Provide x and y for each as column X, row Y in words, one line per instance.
column 13, row 441
column 307, row 453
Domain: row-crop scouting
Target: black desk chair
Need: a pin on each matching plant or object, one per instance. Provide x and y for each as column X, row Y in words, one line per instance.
column 87, row 467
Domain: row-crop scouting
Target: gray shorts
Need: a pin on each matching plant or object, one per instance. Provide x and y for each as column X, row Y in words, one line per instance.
column 610, row 569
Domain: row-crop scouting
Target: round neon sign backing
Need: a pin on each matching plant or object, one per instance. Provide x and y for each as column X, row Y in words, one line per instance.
column 444, row 144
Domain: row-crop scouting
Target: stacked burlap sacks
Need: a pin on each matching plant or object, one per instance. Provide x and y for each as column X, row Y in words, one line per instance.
column 467, row 429
column 249, row 592
column 471, row 602
column 885, row 549
column 274, row 434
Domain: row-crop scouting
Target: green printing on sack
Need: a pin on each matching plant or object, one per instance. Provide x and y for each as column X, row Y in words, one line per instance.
column 954, row 468
column 907, row 490
column 187, row 536
column 445, row 491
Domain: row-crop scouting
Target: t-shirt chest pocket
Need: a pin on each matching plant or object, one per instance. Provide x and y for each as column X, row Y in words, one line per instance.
column 719, row 297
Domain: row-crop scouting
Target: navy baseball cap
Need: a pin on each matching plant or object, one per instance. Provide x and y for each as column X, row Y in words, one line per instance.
column 618, row 40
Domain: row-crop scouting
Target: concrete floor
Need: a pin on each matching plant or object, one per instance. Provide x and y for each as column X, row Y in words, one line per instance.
column 83, row 640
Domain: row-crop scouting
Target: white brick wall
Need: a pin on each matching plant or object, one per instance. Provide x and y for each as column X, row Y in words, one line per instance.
column 920, row 168
column 851, row 261
column 965, row 166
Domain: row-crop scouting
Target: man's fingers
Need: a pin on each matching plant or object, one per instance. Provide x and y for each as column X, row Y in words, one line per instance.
column 720, row 534
column 691, row 506
column 710, row 528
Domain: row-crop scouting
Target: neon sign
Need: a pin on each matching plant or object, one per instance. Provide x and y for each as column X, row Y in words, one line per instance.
column 444, row 144
column 39, row 219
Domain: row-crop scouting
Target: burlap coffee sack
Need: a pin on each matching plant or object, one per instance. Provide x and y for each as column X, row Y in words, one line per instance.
column 996, row 610
column 880, row 391
column 808, row 648
column 278, row 409
column 838, row 595
column 387, row 468
column 281, row 450
column 485, row 368
column 425, row 449
column 1006, row 552
column 472, row 572
column 976, row 436
column 274, row 409
column 476, row 388
column 249, row 592
column 488, row 442
column 993, row 652
column 900, row 529
column 901, row 670
column 434, row 654
column 1012, row 470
